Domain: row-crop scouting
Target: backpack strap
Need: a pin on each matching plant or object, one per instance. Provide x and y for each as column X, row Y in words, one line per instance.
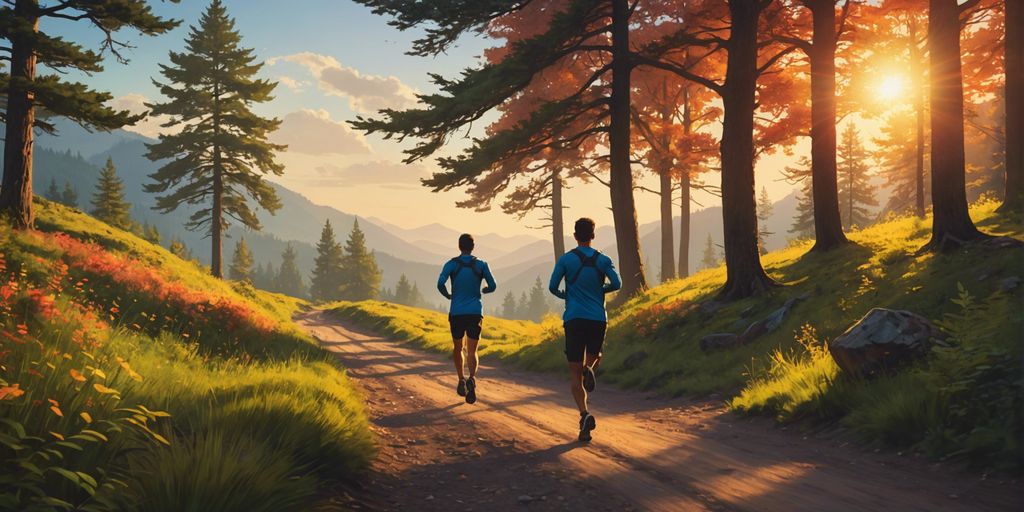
column 586, row 261
column 471, row 265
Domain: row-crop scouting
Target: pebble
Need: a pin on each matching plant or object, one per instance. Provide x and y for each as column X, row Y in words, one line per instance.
column 524, row 498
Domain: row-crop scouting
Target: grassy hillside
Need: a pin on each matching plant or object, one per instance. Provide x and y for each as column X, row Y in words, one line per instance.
column 958, row 402
column 130, row 379
column 429, row 329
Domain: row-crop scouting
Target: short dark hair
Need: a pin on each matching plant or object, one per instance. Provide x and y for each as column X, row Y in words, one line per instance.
column 466, row 242
column 584, row 230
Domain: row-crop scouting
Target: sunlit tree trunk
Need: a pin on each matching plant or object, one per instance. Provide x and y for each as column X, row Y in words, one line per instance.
column 16, row 188
column 828, row 227
column 917, row 62
column 621, row 179
column 744, row 274
column 1014, row 41
column 557, row 213
column 684, row 193
column 951, row 221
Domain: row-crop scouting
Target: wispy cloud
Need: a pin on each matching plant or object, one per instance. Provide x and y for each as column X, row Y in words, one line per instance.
column 149, row 126
column 313, row 132
column 365, row 93
column 380, row 172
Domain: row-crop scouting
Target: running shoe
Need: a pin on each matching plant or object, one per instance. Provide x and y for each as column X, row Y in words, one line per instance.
column 461, row 388
column 589, row 379
column 471, row 390
column 587, row 423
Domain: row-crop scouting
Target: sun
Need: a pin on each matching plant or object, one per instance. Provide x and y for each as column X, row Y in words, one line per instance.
column 890, row 88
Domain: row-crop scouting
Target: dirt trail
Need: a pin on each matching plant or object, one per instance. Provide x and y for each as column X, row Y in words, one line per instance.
column 515, row 449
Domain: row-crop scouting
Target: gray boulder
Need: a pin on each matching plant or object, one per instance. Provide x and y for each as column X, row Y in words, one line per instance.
column 885, row 339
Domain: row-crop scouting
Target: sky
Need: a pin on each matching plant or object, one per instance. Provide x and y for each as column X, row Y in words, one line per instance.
column 335, row 60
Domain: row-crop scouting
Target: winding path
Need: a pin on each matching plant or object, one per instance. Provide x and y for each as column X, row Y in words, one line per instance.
column 515, row 449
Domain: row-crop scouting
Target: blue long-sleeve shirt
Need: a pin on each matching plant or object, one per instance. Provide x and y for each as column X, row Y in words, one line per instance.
column 466, row 293
column 584, row 298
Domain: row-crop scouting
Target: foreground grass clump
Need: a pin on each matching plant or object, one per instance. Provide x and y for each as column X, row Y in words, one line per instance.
column 429, row 329
column 151, row 386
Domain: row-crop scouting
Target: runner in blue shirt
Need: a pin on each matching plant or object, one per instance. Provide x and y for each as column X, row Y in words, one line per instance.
column 585, row 271
column 466, row 313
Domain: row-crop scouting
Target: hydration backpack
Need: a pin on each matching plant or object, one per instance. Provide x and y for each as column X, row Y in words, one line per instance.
column 471, row 265
column 586, row 261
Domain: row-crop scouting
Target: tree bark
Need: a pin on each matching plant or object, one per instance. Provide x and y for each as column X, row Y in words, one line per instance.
column 744, row 274
column 684, row 223
column 1013, row 196
column 16, row 188
column 684, row 192
column 951, row 220
column 668, row 250
column 828, row 226
column 917, row 59
column 557, row 221
column 217, row 211
column 621, row 179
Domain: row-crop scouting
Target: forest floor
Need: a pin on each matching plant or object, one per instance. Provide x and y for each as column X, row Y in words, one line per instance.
column 516, row 448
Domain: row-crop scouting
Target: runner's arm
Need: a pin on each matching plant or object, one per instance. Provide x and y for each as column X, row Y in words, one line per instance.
column 442, row 280
column 556, row 280
column 614, row 283
column 491, row 285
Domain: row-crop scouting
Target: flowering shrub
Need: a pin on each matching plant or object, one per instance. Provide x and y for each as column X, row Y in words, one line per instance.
column 648, row 321
column 59, row 398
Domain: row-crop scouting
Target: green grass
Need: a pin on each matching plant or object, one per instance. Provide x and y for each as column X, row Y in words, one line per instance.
column 429, row 329
column 159, row 390
column 653, row 340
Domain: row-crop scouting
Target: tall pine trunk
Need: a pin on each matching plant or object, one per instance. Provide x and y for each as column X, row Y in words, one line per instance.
column 917, row 62
column 684, row 192
column 557, row 212
column 623, row 205
column 16, row 188
column 828, row 227
column 744, row 274
column 951, row 221
column 217, row 212
column 668, row 250
column 684, row 223
column 1012, row 199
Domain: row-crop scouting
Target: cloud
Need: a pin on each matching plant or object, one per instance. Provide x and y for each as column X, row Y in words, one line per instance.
column 291, row 83
column 313, row 132
column 381, row 172
column 365, row 93
column 150, row 125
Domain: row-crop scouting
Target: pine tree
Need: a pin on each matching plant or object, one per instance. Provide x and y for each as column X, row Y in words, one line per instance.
column 288, row 279
column 523, row 307
column 69, row 196
column 708, row 258
column 52, row 192
column 177, row 248
column 416, row 297
column 222, row 153
column 896, row 153
column 360, row 274
column 855, row 190
column 403, row 291
column 108, row 202
column 537, row 306
column 508, row 306
column 325, row 284
column 764, row 212
column 241, row 262
column 26, row 49
column 150, row 233
column 803, row 221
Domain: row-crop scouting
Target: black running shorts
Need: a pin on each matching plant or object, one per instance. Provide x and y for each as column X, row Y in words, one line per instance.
column 581, row 336
column 466, row 325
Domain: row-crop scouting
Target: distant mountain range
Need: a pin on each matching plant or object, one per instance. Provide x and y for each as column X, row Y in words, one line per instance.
column 75, row 156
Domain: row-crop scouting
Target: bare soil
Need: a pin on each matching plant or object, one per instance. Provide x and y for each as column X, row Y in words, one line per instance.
column 516, row 448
